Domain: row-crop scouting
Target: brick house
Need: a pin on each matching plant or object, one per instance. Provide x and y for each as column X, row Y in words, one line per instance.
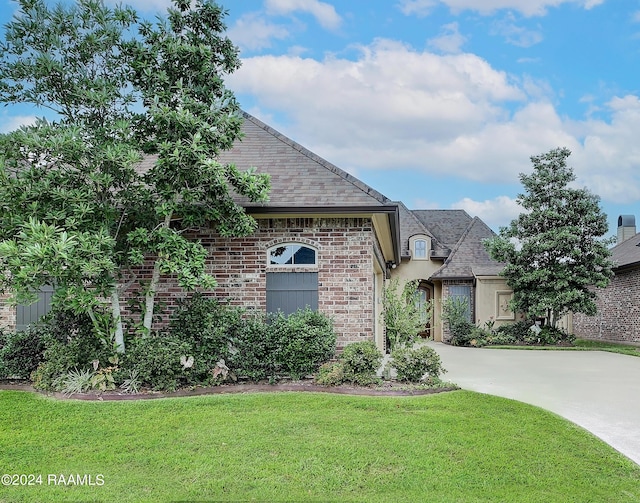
column 618, row 316
column 327, row 240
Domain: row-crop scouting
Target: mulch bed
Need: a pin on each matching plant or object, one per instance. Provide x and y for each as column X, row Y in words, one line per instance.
column 390, row 389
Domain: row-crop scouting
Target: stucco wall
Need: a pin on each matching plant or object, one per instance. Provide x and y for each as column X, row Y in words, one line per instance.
column 618, row 317
column 492, row 297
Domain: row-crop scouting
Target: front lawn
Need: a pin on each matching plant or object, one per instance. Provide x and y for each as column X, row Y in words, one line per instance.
column 451, row 447
column 582, row 345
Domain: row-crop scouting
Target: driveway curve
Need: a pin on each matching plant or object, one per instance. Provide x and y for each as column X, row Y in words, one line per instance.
column 597, row 390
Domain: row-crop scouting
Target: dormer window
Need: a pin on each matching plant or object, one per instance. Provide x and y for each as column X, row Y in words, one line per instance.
column 420, row 248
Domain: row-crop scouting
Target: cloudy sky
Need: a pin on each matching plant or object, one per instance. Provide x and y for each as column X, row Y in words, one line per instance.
column 441, row 103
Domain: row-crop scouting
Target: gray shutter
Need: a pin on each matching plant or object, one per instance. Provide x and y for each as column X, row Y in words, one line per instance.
column 26, row 315
column 290, row 291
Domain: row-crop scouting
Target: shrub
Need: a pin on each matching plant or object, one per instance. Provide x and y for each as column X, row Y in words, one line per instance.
column 208, row 326
column 361, row 362
column 412, row 364
column 21, row 353
column 306, row 339
column 331, row 374
column 254, row 352
column 156, row 361
column 278, row 345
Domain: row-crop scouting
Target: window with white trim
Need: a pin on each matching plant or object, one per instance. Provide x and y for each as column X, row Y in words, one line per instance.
column 420, row 248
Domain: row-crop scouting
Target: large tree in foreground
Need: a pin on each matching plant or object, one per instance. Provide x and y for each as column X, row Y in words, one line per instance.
column 554, row 251
column 76, row 212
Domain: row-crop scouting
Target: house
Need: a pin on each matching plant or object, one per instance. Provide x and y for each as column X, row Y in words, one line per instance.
column 443, row 250
column 327, row 240
column 618, row 315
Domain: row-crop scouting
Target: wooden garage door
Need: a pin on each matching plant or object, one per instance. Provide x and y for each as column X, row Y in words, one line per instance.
column 290, row 291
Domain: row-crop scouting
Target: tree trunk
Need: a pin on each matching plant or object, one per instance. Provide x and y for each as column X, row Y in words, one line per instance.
column 115, row 311
column 150, row 296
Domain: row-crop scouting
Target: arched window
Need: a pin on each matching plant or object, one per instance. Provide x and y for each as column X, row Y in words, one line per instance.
column 420, row 248
column 292, row 254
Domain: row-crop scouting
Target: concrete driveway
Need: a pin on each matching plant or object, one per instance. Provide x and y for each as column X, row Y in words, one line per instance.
column 597, row 390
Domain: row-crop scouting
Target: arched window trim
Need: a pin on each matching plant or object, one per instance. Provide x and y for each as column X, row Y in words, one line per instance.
column 292, row 254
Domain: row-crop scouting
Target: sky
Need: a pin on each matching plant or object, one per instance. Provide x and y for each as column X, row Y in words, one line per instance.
column 441, row 103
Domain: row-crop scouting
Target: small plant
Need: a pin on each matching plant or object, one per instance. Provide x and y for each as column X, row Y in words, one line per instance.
column 132, row 383
column 74, row 381
column 412, row 364
column 402, row 315
column 331, row 374
column 361, row 362
column 455, row 311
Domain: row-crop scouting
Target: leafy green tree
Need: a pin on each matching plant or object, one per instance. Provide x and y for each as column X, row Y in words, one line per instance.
column 77, row 211
column 553, row 251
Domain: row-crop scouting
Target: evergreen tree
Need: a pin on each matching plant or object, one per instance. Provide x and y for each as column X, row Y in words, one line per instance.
column 553, row 251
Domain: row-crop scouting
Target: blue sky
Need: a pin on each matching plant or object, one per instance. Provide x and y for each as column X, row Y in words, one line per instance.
column 441, row 103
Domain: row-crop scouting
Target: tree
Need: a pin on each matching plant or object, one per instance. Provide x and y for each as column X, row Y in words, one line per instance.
column 77, row 212
column 553, row 251
column 403, row 317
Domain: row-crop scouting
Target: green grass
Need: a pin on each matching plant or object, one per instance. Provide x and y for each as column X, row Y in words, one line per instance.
column 582, row 345
column 450, row 447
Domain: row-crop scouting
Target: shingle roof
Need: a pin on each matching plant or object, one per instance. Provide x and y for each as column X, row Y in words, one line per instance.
column 627, row 253
column 447, row 226
column 409, row 226
column 469, row 257
column 299, row 177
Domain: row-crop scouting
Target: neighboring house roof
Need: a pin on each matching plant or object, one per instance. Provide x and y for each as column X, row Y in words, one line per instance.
column 626, row 254
column 469, row 258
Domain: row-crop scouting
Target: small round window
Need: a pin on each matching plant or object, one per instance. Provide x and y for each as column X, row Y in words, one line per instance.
column 292, row 254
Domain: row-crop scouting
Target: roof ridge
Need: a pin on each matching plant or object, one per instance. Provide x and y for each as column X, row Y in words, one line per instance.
column 370, row 191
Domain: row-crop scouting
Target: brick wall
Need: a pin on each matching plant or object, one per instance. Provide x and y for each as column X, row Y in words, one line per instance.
column 345, row 269
column 7, row 313
column 446, row 284
column 618, row 317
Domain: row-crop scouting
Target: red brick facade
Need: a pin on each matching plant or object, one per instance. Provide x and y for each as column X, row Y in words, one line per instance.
column 618, row 317
column 345, row 269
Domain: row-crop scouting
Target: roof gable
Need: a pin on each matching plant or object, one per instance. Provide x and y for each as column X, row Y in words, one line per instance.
column 469, row 257
column 299, row 178
column 447, row 226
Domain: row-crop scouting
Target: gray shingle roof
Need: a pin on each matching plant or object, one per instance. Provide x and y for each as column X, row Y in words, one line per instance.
column 409, row 226
column 299, row 177
column 447, row 226
column 469, row 257
column 627, row 253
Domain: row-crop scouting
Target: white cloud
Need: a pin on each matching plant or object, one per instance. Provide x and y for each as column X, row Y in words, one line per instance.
column 495, row 212
column 450, row 39
column 516, row 35
column 324, row 13
column 11, row 123
column 397, row 108
column 253, row 32
column 422, row 8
